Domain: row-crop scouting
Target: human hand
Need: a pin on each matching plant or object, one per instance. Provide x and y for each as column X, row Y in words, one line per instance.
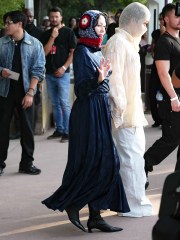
column 5, row 73
column 27, row 101
column 175, row 105
column 59, row 72
column 162, row 28
column 55, row 32
column 103, row 69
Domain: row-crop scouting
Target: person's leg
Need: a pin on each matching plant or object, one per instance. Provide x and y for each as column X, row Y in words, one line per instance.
column 153, row 88
column 130, row 143
column 26, row 117
column 6, row 110
column 15, row 126
column 27, row 141
column 167, row 143
column 37, row 104
column 64, row 88
column 177, row 167
column 95, row 221
column 54, row 94
column 27, row 137
column 73, row 215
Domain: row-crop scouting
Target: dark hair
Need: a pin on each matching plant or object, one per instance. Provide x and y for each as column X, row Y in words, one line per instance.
column 168, row 8
column 16, row 16
column 70, row 19
column 28, row 10
column 104, row 15
column 160, row 16
column 55, row 9
column 119, row 11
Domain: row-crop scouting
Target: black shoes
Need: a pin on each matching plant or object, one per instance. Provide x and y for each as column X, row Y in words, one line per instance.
column 1, row 171
column 96, row 222
column 100, row 224
column 73, row 215
column 31, row 170
column 55, row 135
column 65, row 138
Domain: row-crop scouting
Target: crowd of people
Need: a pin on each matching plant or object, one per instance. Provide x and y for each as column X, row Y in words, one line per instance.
column 107, row 166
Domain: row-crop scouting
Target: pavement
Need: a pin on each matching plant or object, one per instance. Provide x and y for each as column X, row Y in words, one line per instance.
column 23, row 217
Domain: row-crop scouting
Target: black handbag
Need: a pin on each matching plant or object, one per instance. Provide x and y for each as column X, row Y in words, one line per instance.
column 168, row 225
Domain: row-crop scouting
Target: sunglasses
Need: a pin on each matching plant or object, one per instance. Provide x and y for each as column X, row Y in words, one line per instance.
column 8, row 22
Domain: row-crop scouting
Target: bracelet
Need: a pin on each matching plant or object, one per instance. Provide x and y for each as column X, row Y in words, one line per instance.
column 52, row 36
column 64, row 68
column 32, row 89
column 174, row 98
column 29, row 94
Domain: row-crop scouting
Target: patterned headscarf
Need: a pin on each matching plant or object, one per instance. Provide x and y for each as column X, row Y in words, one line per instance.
column 87, row 24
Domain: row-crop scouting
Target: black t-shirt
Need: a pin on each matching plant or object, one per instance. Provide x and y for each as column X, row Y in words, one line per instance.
column 59, row 53
column 34, row 31
column 17, row 86
column 168, row 48
column 156, row 35
column 111, row 29
column 16, row 62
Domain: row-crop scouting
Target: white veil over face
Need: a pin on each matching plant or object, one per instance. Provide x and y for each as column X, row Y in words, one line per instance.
column 133, row 19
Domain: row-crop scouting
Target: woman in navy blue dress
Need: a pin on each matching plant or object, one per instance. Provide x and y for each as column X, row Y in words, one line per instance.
column 92, row 172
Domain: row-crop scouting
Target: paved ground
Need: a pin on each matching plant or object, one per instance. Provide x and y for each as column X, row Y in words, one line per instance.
column 23, row 217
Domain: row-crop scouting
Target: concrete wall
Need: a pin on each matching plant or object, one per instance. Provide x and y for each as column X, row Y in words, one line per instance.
column 43, row 110
column 155, row 7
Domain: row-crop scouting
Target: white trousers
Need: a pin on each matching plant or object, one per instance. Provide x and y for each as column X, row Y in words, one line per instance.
column 130, row 143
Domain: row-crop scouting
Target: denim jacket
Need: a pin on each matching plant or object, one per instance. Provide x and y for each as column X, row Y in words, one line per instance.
column 33, row 61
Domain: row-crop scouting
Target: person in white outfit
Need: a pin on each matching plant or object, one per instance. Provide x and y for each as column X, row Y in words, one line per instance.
column 126, row 105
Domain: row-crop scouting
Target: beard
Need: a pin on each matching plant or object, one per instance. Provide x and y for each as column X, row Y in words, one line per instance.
column 53, row 25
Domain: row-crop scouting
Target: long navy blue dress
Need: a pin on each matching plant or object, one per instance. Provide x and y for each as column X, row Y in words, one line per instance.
column 92, row 171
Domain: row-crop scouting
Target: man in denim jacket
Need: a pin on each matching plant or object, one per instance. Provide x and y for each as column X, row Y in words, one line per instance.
column 22, row 66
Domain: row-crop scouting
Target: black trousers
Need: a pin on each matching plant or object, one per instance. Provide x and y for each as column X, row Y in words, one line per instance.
column 7, row 106
column 170, row 137
column 178, row 160
column 154, row 85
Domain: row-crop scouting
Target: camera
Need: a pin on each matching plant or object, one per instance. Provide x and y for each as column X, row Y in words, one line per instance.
column 177, row 11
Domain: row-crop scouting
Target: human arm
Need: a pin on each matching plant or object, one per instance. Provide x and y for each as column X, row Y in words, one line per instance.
column 103, row 69
column 117, row 55
column 60, row 71
column 35, row 73
column 28, row 98
column 163, row 72
column 87, row 78
column 50, row 42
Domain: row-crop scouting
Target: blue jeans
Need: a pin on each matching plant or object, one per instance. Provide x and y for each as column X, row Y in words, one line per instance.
column 58, row 89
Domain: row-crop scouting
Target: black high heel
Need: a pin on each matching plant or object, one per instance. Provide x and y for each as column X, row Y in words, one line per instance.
column 73, row 215
column 96, row 221
column 99, row 223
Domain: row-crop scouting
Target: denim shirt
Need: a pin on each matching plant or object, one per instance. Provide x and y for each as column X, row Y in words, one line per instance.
column 33, row 61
